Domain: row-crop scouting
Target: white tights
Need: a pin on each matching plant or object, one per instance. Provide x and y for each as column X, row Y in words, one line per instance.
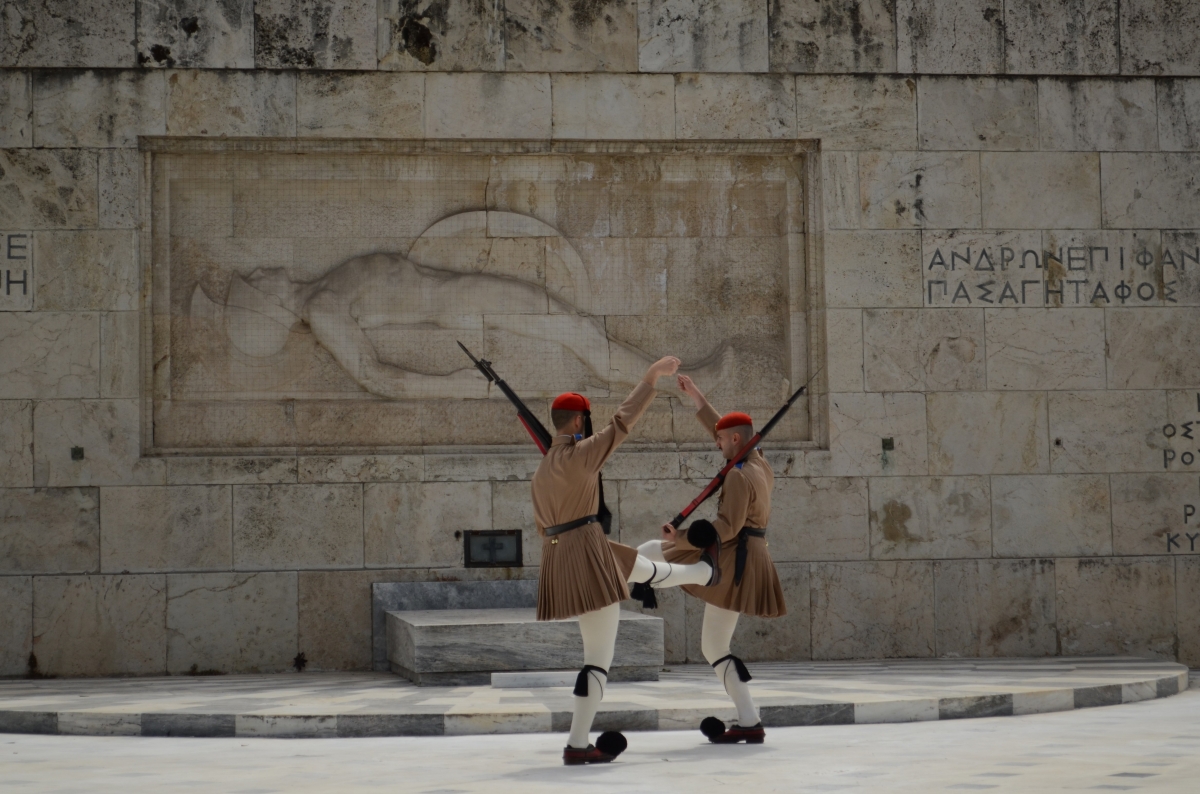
column 659, row 573
column 599, row 630
column 714, row 644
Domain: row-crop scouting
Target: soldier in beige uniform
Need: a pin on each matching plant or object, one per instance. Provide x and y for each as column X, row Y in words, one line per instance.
column 748, row 584
column 582, row 572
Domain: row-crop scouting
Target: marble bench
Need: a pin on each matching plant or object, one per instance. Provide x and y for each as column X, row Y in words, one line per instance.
column 459, row 633
column 465, row 646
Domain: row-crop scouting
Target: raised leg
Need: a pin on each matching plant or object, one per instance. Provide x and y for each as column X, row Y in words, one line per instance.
column 658, row 575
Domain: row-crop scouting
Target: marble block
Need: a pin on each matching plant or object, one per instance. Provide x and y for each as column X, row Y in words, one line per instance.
column 16, row 109
column 45, row 355
column 962, row 37
column 1178, row 114
column 1047, row 37
column 923, row 349
column 97, row 108
column 16, row 624
column 1148, row 190
column 1117, row 606
column 1104, row 115
column 734, row 106
column 977, row 113
column 550, row 36
column 852, row 112
column 311, row 34
column 378, row 105
column 1160, row 37
column 702, row 36
column 422, row 36
column 16, row 443
column 483, row 105
column 422, row 596
column 196, row 34
column 987, row 433
column 458, row 646
column 49, row 188
column 1044, row 190
column 64, row 33
column 906, row 190
column 833, row 36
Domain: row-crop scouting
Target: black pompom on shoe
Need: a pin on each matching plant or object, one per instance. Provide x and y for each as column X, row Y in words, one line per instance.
column 702, row 534
column 712, row 728
column 611, row 743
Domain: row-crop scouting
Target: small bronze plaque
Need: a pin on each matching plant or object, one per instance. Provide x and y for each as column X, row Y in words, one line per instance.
column 493, row 548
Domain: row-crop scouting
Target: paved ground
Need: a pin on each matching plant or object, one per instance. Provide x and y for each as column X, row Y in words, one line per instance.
column 1147, row 746
column 379, row 704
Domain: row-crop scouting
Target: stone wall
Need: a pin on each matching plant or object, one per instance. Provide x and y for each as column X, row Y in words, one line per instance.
column 1005, row 210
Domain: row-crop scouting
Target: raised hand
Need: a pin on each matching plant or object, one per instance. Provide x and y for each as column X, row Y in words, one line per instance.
column 667, row 365
column 688, row 387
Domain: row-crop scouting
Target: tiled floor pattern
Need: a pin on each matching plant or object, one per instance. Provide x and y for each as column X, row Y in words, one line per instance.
column 1152, row 746
column 373, row 704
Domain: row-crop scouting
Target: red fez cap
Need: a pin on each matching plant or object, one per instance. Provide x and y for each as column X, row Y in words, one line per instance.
column 734, row 419
column 570, row 402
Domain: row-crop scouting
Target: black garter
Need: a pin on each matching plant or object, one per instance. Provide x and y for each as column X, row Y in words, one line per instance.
column 743, row 673
column 581, row 681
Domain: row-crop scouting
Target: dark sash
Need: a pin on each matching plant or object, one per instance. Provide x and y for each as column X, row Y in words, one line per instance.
column 743, row 549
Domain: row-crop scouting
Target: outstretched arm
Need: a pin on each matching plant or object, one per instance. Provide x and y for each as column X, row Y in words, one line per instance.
column 705, row 413
column 340, row 334
column 597, row 449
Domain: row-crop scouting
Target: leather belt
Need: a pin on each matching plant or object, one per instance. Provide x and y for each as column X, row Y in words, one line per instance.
column 558, row 529
column 743, row 549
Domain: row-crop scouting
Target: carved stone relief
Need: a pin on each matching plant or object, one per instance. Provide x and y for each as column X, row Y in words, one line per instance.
column 315, row 299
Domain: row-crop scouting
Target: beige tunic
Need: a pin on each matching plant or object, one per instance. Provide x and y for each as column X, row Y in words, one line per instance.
column 582, row 570
column 745, row 501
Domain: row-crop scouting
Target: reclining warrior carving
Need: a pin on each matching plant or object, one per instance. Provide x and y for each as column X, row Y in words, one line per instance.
column 389, row 290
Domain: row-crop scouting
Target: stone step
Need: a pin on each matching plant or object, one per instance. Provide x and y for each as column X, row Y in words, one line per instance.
column 465, row 646
column 534, row 679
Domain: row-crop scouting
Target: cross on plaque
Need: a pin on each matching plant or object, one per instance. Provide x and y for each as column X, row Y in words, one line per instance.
column 491, row 547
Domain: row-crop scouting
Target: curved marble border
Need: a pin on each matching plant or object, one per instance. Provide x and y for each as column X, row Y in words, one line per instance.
column 1168, row 679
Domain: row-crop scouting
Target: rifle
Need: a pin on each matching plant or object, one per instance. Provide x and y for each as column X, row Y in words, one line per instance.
column 537, row 431
column 717, row 481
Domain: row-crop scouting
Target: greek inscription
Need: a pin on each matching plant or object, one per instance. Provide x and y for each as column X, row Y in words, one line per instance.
column 16, row 246
column 16, row 271
column 1099, row 275
column 22, row 282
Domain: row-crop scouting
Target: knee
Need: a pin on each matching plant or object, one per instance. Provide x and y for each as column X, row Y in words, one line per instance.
column 713, row 649
column 652, row 550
